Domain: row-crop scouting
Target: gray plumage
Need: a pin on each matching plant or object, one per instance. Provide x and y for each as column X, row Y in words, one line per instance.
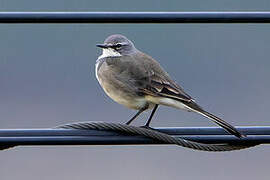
column 137, row 81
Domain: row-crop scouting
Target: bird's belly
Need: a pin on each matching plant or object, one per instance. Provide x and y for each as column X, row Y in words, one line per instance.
column 124, row 99
column 122, row 96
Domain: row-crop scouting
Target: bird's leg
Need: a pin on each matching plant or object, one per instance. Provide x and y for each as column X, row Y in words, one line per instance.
column 136, row 115
column 152, row 114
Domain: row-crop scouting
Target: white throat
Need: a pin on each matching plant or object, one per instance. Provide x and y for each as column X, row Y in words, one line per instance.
column 109, row 52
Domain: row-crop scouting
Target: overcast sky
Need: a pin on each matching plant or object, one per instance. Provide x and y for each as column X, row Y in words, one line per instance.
column 47, row 78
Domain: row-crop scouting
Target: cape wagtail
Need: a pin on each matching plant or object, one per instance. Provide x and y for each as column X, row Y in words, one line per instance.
column 137, row 81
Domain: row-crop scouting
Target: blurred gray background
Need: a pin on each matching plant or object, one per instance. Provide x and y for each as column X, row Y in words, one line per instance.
column 47, row 78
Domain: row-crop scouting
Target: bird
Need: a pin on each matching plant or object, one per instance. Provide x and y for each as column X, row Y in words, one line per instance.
column 137, row 81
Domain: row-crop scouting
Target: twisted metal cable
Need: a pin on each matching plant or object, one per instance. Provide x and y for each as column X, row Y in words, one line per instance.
column 155, row 135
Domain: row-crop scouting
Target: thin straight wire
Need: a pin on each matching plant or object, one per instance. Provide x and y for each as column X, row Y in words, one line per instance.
column 135, row 17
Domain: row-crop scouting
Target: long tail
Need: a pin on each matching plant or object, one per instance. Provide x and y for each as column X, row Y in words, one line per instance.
column 196, row 108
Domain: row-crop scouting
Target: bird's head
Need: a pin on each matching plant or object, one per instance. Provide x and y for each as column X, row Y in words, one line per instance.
column 117, row 45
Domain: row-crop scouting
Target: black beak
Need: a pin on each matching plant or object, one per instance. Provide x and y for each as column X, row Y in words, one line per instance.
column 103, row 45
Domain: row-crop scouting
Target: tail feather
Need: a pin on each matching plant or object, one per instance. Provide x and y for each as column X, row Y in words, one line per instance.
column 192, row 106
column 222, row 123
column 196, row 108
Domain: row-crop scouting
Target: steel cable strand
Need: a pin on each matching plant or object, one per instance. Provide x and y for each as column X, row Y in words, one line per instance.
column 154, row 134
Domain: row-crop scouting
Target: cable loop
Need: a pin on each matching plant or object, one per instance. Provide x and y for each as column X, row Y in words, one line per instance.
column 155, row 135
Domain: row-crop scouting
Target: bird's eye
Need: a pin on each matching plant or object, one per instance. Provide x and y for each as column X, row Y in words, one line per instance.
column 118, row 46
